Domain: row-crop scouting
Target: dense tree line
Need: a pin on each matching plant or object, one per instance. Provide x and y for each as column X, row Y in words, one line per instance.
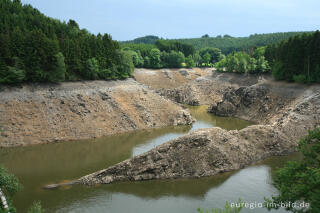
column 297, row 59
column 37, row 48
column 242, row 62
column 168, row 46
column 227, row 44
column 167, row 54
column 149, row 39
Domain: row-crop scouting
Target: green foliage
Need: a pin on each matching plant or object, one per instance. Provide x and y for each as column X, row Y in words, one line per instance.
column 155, row 58
column 58, row 73
column 297, row 59
column 211, row 55
column 206, row 58
column 8, row 182
column 190, row 62
column 36, row 208
column 9, row 185
column 125, row 65
column 137, row 59
column 300, row 78
column 259, row 52
column 92, row 69
column 173, row 59
column 228, row 44
column 144, row 49
column 168, row 46
column 12, row 74
column 149, row 39
column 227, row 209
column 197, row 59
column 242, row 62
column 300, row 180
column 50, row 50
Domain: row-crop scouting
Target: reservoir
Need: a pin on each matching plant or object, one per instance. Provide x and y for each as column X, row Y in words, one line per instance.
column 39, row 165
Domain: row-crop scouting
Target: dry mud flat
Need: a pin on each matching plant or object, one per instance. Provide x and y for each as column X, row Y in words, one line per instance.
column 285, row 113
column 37, row 113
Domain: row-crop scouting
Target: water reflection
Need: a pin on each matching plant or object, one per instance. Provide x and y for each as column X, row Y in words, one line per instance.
column 42, row 164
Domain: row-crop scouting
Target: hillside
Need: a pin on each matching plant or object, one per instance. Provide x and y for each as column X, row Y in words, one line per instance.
column 37, row 48
column 227, row 44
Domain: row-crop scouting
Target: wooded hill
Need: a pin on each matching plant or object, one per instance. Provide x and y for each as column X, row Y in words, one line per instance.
column 227, row 44
column 36, row 48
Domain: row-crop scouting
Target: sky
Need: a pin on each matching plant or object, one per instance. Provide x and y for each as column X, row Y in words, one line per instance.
column 129, row 19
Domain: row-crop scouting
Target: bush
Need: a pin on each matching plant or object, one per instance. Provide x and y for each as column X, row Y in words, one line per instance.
column 12, row 74
column 227, row 209
column 125, row 66
column 300, row 78
column 172, row 59
column 278, row 71
column 91, row 71
column 190, row 62
column 36, row 208
column 300, row 180
column 58, row 73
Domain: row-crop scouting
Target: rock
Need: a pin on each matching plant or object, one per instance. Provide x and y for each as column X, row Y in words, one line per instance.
column 202, row 153
column 51, row 186
column 37, row 114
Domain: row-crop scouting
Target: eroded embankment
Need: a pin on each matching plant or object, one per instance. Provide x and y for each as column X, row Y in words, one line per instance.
column 286, row 112
column 199, row 87
column 33, row 114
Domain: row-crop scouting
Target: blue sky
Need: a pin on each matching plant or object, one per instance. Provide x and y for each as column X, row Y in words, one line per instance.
column 128, row 19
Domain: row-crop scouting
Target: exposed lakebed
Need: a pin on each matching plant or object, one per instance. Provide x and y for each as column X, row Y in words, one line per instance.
column 39, row 165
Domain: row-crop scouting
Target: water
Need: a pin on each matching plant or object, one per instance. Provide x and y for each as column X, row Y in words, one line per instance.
column 39, row 165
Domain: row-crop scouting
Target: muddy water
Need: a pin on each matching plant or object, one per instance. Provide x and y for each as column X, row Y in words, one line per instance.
column 39, row 165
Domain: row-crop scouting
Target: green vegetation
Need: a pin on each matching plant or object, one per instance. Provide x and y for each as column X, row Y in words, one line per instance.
column 300, row 181
column 227, row 209
column 242, row 62
column 297, row 182
column 172, row 54
column 149, row 39
column 228, row 44
column 10, row 185
column 207, row 51
column 211, row 55
column 168, row 46
column 36, row 48
column 36, row 208
column 297, row 59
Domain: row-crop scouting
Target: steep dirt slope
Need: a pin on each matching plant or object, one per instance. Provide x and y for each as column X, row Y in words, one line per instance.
column 33, row 114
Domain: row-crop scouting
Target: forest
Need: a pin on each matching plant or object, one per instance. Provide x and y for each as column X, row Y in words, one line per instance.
column 226, row 43
column 297, row 59
column 36, row 48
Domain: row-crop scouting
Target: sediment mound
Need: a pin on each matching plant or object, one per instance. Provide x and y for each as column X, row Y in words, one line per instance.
column 202, row 153
column 209, row 88
column 285, row 111
column 37, row 113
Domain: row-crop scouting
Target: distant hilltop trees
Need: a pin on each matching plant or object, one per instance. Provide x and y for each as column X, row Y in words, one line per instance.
column 226, row 43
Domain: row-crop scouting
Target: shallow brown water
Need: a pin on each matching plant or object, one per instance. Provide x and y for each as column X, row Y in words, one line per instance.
column 39, row 165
